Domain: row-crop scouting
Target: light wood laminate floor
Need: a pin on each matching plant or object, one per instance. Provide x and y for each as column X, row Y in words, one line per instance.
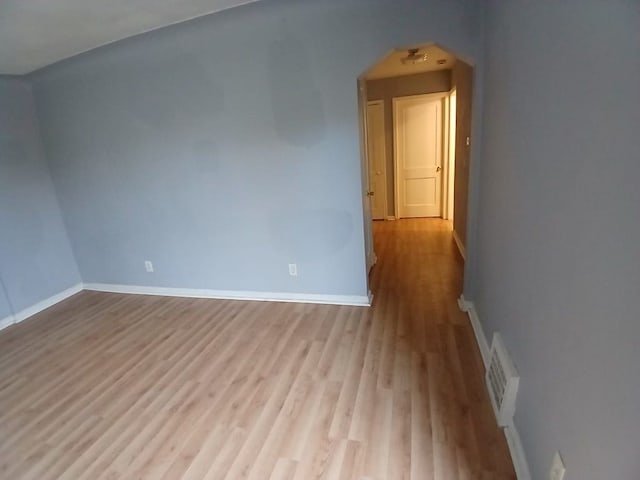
column 109, row 386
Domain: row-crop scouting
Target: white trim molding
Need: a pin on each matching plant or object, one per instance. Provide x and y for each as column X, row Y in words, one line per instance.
column 370, row 297
column 459, row 244
column 353, row 300
column 463, row 304
column 481, row 339
column 7, row 322
column 40, row 306
column 372, row 259
column 518, row 456
column 391, row 218
column 517, row 452
column 46, row 303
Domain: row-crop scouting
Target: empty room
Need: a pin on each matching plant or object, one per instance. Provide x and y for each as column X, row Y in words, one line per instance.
column 337, row 239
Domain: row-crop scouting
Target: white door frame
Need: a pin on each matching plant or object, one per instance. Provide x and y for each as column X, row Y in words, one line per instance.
column 449, row 156
column 384, row 148
column 396, row 181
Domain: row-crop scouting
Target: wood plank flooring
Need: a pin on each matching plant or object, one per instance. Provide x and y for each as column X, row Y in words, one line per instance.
column 109, row 386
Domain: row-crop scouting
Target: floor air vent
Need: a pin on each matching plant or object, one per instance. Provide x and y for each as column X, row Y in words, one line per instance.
column 502, row 381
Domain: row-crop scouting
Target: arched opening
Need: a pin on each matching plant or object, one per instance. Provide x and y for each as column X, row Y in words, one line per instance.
column 415, row 110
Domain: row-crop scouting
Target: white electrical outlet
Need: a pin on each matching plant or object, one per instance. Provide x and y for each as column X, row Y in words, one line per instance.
column 557, row 468
column 148, row 266
column 293, row 269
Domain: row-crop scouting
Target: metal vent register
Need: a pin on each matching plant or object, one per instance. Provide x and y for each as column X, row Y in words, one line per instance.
column 502, row 381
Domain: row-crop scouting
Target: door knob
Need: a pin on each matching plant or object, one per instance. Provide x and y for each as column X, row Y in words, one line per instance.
column 438, row 168
column 370, row 194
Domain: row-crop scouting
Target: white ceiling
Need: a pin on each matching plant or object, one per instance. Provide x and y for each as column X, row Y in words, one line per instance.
column 37, row 33
column 392, row 66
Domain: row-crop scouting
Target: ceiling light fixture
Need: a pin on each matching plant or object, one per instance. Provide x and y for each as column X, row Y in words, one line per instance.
column 414, row 56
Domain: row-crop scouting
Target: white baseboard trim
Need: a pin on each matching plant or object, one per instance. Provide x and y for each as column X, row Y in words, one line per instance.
column 459, row 244
column 7, row 322
column 464, row 304
column 40, row 306
column 46, row 303
column 516, row 450
column 483, row 344
column 354, row 300
column 372, row 259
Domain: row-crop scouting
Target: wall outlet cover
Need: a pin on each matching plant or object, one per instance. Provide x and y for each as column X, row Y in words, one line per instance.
column 148, row 266
column 293, row 269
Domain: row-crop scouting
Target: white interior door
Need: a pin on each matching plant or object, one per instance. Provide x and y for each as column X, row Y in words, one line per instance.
column 418, row 155
column 366, row 203
column 377, row 159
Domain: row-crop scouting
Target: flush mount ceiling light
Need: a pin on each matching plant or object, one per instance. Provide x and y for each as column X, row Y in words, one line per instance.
column 414, row 56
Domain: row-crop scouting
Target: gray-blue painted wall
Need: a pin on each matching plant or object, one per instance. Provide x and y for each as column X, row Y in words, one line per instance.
column 224, row 148
column 36, row 260
column 559, row 226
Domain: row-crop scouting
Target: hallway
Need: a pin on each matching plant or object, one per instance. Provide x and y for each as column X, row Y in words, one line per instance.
column 111, row 386
column 417, row 281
